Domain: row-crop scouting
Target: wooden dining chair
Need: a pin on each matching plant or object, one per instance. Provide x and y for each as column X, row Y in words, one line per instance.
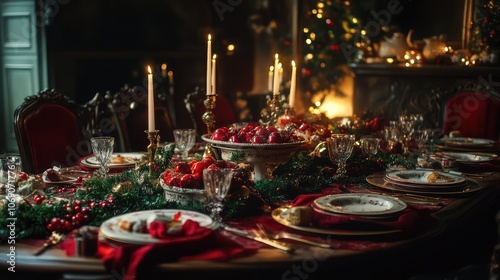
column 224, row 110
column 474, row 114
column 131, row 107
column 49, row 129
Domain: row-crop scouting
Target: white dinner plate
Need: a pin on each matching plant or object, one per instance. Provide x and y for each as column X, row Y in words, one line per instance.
column 421, row 178
column 360, row 204
column 467, row 158
column 281, row 214
column 67, row 180
column 111, row 230
column 117, row 160
column 378, row 181
column 468, row 142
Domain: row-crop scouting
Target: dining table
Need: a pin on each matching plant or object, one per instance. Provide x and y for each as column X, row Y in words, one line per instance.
column 442, row 234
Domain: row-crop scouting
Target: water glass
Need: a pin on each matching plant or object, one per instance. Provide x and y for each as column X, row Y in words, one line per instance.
column 217, row 183
column 10, row 167
column 102, row 148
column 370, row 145
column 339, row 150
column 184, row 141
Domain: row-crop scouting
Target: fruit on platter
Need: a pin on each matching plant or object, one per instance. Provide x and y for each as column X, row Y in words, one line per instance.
column 255, row 134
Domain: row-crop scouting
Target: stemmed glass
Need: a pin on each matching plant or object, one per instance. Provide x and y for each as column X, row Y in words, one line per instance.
column 339, row 150
column 102, row 148
column 369, row 145
column 184, row 141
column 217, row 183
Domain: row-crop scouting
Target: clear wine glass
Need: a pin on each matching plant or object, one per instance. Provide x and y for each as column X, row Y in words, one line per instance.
column 217, row 183
column 370, row 145
column 102, row 148
column 184, row 141
column 339, row 150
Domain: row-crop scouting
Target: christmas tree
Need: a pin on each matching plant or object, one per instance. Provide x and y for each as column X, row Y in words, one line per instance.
column 485, row 29
column 329, row 26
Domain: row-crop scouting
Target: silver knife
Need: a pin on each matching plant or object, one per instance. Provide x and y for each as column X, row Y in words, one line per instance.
column 276, row 244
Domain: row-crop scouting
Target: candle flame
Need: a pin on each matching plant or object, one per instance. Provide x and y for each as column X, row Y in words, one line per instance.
column 164, row 66
column 276, row 56
column 149, row 70
column 271, row 68
column 293, row 63
column 214, row 56
column 170, row 73
column 209, row 37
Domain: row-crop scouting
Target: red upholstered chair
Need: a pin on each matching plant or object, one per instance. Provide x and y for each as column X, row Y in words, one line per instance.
column 223, row 111
column 49, row 130
column 130, row 105
column 473, row 113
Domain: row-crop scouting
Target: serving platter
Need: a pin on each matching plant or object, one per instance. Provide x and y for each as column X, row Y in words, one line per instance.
column 280, row 215
column 111, row 230
column 360, row 204
column 422, row 178
column 378, row 181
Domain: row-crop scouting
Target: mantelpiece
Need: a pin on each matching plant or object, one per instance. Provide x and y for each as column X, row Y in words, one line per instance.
column 395, row 89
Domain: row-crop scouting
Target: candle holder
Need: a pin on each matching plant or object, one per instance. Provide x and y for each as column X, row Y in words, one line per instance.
column 209, row 120
column 273, row 112
column 153, row 137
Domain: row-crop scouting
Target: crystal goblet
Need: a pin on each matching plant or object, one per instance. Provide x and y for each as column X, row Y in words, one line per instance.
column 217, row 183
column 369, row 145
column 102, row 148
column 339, row 150
column 184, row 141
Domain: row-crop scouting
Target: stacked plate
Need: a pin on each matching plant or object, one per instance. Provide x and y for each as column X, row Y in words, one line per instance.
column 425, row 179
column 360, row 205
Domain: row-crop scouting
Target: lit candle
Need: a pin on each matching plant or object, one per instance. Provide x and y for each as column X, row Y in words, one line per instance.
column 151, row 102
column 280, row 75
column 293, row 85
column 276, row 83
column 270, row 79
column 213, row 75
column 209, row 66
column 171, row 82
column 164, row 70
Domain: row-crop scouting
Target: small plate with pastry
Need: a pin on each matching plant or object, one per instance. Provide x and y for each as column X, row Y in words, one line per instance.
column 419, row 178
column 116, row 160
column 133, row 227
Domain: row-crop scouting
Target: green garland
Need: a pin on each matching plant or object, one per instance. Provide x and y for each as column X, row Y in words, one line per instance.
column 136, row 190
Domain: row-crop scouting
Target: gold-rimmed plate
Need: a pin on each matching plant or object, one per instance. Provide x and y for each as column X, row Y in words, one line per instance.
column 280, row 215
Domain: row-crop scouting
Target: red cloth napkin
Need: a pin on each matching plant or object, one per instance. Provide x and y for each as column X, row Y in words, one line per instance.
column 410, row 219
column 191, row 242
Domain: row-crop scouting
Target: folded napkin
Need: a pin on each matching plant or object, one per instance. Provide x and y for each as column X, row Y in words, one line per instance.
column 409, row 220
column 191, row 242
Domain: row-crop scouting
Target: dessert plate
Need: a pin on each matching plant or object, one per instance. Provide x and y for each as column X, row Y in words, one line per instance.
column 424, row 178
column 467, row 158
column 468, row 142
column 117, row 160
column 360, row 204
column 111, row 230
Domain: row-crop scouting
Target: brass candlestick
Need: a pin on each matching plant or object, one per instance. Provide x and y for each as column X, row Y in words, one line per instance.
column 209, row 120
column 273, row 110
column 153, row 144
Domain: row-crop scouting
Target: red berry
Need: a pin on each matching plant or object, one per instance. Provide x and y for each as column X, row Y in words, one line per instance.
column 187, row 181
column 275, row 138
column 182, row 167
column 198, row 168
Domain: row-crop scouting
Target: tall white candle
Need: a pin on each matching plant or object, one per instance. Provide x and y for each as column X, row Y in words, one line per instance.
column 280, row 75
column 209, row 66
column 276, row 74
column 164, row 70
column 270, row 79
column 151, row 102
column 214, row 75
column 293, row 83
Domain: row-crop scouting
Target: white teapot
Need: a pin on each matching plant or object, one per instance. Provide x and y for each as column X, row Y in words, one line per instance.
column 396, row 46
column 434, row 46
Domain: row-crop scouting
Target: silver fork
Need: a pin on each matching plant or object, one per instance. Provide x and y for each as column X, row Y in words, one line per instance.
column 286, row 235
